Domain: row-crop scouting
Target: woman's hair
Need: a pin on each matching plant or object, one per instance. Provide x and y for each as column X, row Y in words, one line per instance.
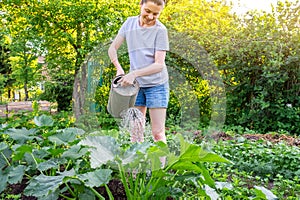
column 157, row 2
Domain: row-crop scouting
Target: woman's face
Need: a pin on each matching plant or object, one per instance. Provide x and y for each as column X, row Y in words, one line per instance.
column 149, row 13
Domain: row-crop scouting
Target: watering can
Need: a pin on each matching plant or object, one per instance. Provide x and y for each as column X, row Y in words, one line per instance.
column 121, row 97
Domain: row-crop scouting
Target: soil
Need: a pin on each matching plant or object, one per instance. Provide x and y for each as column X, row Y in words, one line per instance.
column 117, row 188
column 273, row 138
column 114, row 185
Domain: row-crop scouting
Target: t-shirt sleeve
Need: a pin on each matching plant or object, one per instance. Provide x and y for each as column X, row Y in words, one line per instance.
column 123, row 29
column 162, row 40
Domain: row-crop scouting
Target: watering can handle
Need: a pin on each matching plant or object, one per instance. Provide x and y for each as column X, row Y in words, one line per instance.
column 116, row 82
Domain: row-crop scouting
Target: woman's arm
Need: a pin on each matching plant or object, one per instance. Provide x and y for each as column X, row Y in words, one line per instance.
column 156, row 67
column 112, row 53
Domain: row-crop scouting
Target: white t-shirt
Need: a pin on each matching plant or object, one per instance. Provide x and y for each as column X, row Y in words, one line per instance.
column 142, row 42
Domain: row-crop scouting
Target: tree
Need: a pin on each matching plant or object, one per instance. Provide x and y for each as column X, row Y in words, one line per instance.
column 25, row 69
column 69, row 31
column 202, row 27
column 4, row 68
column 256, row 54
column 261, row 70
column 6, row 81
column 208, row 22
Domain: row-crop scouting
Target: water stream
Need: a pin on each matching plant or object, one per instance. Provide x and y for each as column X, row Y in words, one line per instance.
column 134, row 121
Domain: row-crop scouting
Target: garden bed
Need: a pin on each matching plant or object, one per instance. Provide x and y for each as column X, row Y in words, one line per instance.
column 271, row 137
column 117, row 188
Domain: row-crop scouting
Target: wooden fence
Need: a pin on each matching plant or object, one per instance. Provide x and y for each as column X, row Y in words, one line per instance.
column 8, row 109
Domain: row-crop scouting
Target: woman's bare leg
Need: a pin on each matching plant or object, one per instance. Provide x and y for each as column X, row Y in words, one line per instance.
column 158, row 119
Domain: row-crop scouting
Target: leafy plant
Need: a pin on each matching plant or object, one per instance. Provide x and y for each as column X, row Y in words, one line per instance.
column 147, row 178
column 257, row 164
column 69, row 157
column 66, row 163
column 39, row 155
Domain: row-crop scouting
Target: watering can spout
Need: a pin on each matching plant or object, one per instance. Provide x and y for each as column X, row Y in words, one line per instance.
column 121, row 97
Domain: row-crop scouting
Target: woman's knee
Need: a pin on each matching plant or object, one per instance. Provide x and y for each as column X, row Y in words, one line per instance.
column 159, row 135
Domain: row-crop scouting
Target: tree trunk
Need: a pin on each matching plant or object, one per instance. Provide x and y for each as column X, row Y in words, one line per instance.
column 80, row 83
column 26, row 91
column 79, row 90
column 8, row 93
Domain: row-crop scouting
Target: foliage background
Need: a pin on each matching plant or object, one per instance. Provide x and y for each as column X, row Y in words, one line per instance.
column 256, row 54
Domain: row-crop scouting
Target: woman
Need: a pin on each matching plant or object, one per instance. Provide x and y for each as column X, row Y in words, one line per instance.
column 147, row 42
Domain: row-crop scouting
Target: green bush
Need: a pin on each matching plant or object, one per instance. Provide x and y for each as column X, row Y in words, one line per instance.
column 261, row 72
column 59, row 91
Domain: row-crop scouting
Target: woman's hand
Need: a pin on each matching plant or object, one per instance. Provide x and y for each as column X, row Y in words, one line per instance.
column 120, row 71
column 128, row 79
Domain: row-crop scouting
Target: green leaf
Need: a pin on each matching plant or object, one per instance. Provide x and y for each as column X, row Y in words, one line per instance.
column 103, row 149
column 66, row 136
column 134, row 157
column 154, row 154
column 211, row 193
column 3, row 146
column 20, row 151
column 56, row 151
column 3, row 180
column 75, row 131
column 52, row 196
column 207, row 178
column 172, row 159
column 3, row 126
column 30, row 161
column 186, row 165
column 183, row 144
column 74, row 152
column 163, row 192
column 134, row 152
column 5, row 156
column 43, row 120
column 96, row 178
column 211, row 157
column 264, row 193
column 86, row 194
column 43, row 166
column 195, row 153
column 16, row 174
column 196, row 167
column 62, row 138
column 22, row 135
column 42, row 185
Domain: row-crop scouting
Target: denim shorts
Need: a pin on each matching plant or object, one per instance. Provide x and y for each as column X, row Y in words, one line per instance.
column 153, row 97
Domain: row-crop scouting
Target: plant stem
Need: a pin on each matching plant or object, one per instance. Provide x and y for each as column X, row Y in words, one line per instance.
column 36, row 163
column 111, row 197
column 65, row 197
column 70, row 190
column 153, row 184
column 99, row 195
column 69, row 162
column 136, row 185
column 28, row 176
column 5, row 158
column 123, row 178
